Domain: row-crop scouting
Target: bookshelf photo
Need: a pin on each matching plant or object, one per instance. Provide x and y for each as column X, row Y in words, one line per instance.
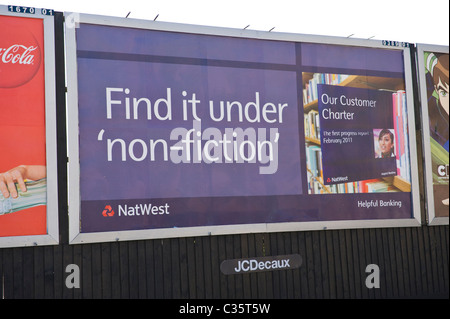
column 399, row 183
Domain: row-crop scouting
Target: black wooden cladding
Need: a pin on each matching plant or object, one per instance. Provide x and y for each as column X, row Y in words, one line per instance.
column 413, row 263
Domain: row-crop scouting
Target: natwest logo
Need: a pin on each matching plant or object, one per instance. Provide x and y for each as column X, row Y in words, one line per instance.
column 108, row 211
column 18, row 53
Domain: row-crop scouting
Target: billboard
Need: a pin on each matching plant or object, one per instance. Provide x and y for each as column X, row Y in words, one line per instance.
column 28, row 182
column 433, row 79
column 179, row 130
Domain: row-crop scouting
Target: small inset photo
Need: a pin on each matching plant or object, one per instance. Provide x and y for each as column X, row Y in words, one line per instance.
column 384, row 143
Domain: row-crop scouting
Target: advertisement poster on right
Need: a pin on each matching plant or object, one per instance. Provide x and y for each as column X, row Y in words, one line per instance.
column 434, row 73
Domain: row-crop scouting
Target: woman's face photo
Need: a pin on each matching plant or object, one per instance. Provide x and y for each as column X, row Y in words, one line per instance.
column 385, row 143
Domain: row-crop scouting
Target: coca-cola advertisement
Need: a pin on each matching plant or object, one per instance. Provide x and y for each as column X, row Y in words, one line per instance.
column 20, row 51
column 23, row 207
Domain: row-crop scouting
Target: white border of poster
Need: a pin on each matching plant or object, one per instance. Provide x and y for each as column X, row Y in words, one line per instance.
column 52, row 236
column 77, row 237
column 430, row 207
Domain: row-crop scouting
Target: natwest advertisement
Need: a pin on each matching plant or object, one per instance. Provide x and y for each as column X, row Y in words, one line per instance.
column 176, row 133
column 23, row 130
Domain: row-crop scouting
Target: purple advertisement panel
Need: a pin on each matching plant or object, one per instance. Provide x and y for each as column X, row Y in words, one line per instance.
column 184, row 130
column 207, row 132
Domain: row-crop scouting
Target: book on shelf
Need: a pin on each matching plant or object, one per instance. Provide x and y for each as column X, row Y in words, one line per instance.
column 310, row 91
column 314, row 172
column 312, row 124
column 380, row 186
column 401, row 135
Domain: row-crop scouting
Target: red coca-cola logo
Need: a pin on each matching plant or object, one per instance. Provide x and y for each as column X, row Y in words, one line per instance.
column 18, row 53
column 20, row 56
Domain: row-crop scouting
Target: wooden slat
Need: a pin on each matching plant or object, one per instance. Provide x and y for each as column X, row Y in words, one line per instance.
column 296, row 273
column 175, row 269
column 167, row 269
column 199, row 267
column 215, row 268
column 96, row 271
column 289, row 273
column 444, row 252
column 433, row 259
column 238, row 280
column 382, row 261
column 159, row 269
column 86, row 266
column 49, row 272
column 276, row 282
column 308, row 269
column 345, row 259
column 7, row 273
column 106, row 277
column 150, row 266
column 28, row 274
column 59, row 272
column 330, row 264
column 231, row 282
column 222, row 252
column 428, row 276
column 18, row 273
column 281, row 274
column 314, row 262
column 268, row 275
column 39, row 279
column 247, row 245
column 67, row 258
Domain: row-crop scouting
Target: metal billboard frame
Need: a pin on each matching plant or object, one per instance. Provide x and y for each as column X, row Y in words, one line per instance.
column 432, row 219
column 52, row 236
column 77, row 237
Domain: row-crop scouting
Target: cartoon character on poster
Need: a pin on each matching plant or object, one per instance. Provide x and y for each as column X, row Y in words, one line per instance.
column 22, row 127
column 437, row 67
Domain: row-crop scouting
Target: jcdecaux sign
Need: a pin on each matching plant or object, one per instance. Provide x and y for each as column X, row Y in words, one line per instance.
column 259, row 264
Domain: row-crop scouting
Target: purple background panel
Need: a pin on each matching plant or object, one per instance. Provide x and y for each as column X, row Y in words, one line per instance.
column 102, row 179
column 216, row 211
column 352, row 58
column 172, row 44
